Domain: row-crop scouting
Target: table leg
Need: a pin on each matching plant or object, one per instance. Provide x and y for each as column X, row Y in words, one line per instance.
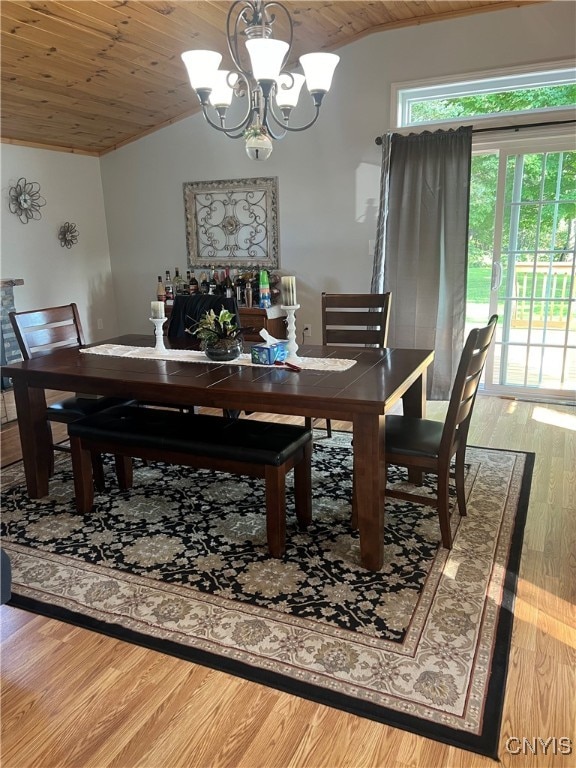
column 414, row 399
column 414, row 404
column 35, row 437
column 367, row 484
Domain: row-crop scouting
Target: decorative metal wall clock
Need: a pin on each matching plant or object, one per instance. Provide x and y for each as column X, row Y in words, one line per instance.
column 26, row 200
column 68, row 235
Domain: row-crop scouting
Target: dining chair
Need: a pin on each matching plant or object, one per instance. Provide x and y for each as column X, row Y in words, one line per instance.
column 354, row 319
column 42, row 332
column 429, row 446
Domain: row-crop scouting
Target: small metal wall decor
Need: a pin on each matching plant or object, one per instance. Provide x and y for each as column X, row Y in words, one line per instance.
column 26, row 200
column 232, row 222
column 68, row 235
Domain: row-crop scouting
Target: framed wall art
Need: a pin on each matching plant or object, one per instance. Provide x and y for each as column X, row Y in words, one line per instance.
column 232, row 222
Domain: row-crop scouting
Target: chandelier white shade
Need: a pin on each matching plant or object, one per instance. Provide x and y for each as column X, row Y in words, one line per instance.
column 223, row 88
column 201, row 67
column 318, row 70
column 288, row 87
column 266, row 57
column 270, row 90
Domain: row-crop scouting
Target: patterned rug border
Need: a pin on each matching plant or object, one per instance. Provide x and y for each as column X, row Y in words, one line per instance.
column 485, row 743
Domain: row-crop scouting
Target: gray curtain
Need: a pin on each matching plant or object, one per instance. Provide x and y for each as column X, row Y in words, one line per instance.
column 421, row 245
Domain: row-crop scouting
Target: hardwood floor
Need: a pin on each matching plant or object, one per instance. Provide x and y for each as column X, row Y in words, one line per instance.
column 76, row 699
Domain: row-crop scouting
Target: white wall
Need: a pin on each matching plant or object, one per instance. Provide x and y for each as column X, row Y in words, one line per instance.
column 53, row 275
column 328, row 176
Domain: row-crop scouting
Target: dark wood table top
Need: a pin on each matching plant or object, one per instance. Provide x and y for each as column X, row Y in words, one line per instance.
column 376, row 381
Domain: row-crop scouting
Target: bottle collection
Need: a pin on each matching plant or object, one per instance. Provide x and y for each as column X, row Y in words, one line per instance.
column 251, row 289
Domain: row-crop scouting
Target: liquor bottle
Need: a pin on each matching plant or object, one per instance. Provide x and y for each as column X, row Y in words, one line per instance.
column 160, row 290
column 264, row 290
column 248, row 293
column 194, row 287
column 214, row 285
column 178, row 282
column 168, row 287
column 239, row 287
column 204, row 284
column 228, row 285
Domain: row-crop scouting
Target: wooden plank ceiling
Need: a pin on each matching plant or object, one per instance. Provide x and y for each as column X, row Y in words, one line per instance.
column 87, row 76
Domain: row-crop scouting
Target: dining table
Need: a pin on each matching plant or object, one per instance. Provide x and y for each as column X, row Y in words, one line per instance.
column 354, row 384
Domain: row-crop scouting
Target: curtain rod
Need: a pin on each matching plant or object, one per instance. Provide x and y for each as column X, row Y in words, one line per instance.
column 508, row 127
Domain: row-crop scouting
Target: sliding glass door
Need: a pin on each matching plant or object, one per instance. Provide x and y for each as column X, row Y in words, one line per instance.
column 522, row 266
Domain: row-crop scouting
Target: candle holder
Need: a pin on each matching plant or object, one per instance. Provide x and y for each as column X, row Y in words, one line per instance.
column 159, row 333
column 291, row 320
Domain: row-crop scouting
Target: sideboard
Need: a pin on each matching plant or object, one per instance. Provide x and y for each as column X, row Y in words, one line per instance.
column 273, row 320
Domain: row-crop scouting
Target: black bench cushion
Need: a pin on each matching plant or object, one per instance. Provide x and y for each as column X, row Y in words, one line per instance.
column 255, row 442
column 73, row 408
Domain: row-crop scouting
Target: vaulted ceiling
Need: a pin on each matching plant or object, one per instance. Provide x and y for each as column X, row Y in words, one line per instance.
column 87, row 76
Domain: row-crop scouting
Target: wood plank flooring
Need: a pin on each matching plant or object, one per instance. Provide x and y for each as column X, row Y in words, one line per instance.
column 76, row 699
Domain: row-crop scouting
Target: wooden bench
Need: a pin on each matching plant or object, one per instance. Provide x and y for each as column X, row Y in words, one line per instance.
column 239, row 446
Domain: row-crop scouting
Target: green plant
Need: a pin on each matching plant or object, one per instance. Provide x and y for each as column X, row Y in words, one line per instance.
column 254, row 131
column 213, row 329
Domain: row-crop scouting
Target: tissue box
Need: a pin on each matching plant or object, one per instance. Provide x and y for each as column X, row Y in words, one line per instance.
column 282, row 350
column 268, row 354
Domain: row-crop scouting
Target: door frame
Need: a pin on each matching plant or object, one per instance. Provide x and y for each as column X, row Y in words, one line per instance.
column 527, row 141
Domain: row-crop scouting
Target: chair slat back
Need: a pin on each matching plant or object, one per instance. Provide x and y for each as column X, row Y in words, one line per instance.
column 465, row 387
column 41, row 331
column 355, row 318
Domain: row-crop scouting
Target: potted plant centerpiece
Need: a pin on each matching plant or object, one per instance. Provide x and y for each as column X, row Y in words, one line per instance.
column 219, row 335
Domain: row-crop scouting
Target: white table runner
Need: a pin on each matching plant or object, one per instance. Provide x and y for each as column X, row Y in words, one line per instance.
column 192, row 356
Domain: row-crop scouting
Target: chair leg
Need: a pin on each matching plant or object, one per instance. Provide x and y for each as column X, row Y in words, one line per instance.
column 98, row 471
column 275, row 478
column 328, row 428
column 303, row 487
column 51, row 439
column 124, row 472
column 459, row 479
column 444, row 508
column 415, row 476
column 354, row 518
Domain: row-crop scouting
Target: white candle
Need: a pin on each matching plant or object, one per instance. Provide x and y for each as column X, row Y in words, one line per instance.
column 157, row 309
column 289, row 290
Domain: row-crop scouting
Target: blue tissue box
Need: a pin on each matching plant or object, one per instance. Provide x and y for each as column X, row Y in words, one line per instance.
column 282, row 350
column 268, row 354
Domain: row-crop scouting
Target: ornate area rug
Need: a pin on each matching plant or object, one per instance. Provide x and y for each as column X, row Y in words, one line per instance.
column 179, row 564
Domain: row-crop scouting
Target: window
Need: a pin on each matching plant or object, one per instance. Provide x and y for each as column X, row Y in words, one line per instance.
column 548, row 94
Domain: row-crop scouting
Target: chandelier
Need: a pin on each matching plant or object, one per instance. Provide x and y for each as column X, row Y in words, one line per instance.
column 271, row 91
